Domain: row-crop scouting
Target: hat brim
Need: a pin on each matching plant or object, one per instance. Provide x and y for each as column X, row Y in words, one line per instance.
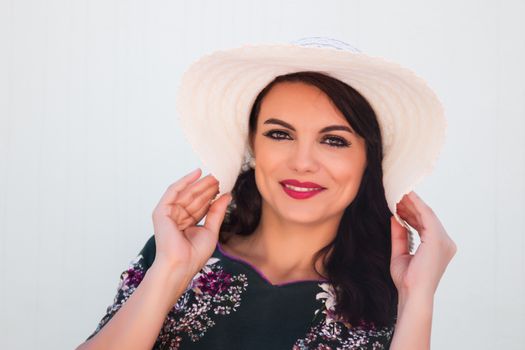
column 217, row 91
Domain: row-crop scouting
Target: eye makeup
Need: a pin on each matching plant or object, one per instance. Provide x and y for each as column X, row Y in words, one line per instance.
column 335, row 141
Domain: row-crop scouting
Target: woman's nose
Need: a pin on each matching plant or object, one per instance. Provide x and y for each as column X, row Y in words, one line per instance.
column 303, row 158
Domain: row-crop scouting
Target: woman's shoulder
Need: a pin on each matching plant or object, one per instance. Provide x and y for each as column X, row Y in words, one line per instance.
column 147, row 253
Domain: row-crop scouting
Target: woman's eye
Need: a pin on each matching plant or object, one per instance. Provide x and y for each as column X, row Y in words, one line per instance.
column 337, row 141
column 334, row 141
column 276, row 132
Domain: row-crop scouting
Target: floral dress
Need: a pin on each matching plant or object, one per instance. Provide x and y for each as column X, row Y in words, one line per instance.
column 230, row 304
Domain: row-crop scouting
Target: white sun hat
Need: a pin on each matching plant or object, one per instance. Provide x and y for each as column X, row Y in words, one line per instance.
column 218, row 90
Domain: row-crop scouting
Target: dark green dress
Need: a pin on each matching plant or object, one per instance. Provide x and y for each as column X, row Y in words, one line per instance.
column 230, row 304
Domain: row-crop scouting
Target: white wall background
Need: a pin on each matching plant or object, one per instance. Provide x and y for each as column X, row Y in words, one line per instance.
column 89, row 142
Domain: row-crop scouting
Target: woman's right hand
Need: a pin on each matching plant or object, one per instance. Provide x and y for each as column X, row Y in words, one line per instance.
column 179, row 242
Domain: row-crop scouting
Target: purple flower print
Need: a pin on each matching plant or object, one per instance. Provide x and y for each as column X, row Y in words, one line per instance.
column 213, row 282
column 133, row 275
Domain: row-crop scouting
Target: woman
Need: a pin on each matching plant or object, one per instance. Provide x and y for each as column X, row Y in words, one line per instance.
column 304, row 253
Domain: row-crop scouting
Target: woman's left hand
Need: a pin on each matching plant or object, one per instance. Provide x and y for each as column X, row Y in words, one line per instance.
column 419, row 274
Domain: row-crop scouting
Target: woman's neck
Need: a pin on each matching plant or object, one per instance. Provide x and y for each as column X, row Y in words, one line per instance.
column 283, row 249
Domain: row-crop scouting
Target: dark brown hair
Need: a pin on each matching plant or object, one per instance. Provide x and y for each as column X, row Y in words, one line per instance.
column 357, row 261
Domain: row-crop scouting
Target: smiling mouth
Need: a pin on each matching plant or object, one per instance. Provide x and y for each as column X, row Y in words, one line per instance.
column 301, row 189
column 301, row 192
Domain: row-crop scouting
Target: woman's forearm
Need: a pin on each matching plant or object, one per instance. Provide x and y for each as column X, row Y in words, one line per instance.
column 414, row 323
column 136, row 325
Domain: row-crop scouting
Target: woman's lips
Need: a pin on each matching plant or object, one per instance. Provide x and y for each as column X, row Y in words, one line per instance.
column 302, row 194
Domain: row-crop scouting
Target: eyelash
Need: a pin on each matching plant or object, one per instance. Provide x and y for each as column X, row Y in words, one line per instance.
column 342, row 142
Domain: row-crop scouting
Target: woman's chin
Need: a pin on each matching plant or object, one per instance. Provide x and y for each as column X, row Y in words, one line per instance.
column 302, row 216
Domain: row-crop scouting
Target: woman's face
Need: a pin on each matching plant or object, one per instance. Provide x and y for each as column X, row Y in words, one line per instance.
column 290, row 144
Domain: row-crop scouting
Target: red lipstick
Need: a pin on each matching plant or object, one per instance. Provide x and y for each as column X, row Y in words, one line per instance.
column 301, row 190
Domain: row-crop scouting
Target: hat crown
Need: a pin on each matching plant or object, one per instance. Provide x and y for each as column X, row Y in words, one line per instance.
column 323, row 41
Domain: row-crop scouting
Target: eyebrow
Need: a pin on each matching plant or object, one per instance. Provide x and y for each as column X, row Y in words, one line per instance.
column 325, row 129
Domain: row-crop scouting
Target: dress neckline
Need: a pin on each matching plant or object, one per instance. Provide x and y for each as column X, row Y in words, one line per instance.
column 261, row 275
